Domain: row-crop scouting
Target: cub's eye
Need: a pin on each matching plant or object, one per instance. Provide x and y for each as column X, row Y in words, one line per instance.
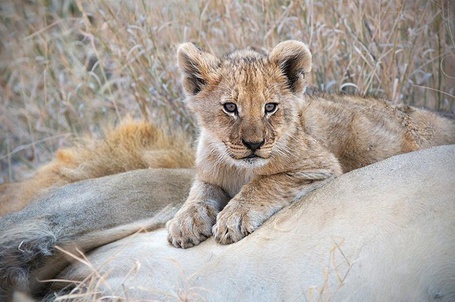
column 230, row 107
column 270, row 107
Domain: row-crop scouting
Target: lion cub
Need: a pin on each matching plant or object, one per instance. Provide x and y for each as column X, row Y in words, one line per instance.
column 263, row 144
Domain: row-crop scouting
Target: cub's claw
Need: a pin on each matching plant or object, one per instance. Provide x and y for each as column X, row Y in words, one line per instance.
column 191, row 225
column 234, row 223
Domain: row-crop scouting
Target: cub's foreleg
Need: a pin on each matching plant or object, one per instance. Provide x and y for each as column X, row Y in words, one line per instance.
column 261, row 198
column 193, row 222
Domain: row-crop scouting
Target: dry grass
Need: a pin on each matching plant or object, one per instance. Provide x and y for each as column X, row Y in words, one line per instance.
column 70, row 66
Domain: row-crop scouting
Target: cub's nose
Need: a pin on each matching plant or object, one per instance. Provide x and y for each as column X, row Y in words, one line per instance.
column 253, row 146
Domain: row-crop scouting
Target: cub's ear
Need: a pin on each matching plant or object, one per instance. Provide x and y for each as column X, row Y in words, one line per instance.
column 198, row 67
column 294, row 59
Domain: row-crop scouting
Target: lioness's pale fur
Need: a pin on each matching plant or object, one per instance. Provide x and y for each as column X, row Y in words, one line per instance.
column 262, row 143
column 382, row 233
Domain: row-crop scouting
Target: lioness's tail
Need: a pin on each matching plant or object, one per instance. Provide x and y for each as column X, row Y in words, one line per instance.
column 132, row 145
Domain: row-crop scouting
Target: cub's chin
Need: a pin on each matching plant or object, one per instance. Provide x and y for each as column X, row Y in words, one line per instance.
column 251, row 161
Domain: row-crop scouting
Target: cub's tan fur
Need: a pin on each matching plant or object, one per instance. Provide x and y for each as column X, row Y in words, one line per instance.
column 132, row 145
column 262, row 143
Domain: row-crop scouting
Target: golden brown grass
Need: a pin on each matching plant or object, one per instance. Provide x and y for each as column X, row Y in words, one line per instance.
column 67, row 67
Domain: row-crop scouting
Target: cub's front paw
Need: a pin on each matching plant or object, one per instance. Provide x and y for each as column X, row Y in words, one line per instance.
column 191, row 225
column 235, row 222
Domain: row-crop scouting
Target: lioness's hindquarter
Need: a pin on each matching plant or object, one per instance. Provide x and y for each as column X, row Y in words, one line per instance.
column 83, row 216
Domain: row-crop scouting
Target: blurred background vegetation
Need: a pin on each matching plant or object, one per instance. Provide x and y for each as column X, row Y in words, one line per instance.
column 68, row 68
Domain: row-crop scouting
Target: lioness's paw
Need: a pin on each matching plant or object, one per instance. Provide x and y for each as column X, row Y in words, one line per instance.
column 191, row 225
column 234, row 223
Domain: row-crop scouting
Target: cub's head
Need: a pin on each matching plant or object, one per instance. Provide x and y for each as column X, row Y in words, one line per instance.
column 246, row 102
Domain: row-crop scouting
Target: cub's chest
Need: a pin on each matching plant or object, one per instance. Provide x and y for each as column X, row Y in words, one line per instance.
column 233, row 182
column 230, row 179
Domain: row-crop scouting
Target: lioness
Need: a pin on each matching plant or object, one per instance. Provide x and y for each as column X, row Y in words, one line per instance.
column 263, row 145
column 385, row 232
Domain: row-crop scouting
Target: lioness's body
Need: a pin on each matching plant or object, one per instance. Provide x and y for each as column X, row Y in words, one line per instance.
column 263, row 143
column 385, row 232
